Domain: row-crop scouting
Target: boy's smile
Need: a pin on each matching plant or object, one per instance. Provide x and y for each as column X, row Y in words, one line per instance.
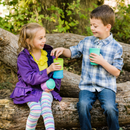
column 98, row 29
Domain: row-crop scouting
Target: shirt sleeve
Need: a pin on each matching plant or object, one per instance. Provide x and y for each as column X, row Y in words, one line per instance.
column 77, row 51
column 118, row 60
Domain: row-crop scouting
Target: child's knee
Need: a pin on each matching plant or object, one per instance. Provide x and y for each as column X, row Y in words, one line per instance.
column 35, row 112
column 110, row 109
column 84, row 105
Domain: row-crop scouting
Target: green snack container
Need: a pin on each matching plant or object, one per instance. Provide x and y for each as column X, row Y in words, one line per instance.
column 60, row 61
column 96, row 51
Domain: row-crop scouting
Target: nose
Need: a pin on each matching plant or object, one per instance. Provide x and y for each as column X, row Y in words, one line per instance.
column 92, row 28
column 44, row 40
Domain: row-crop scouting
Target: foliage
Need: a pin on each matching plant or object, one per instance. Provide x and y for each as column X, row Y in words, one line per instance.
column 21, row 12
column 121, row 29
column 26, row 11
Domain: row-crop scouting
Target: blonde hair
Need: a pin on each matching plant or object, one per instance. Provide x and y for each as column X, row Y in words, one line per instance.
column 28, row 31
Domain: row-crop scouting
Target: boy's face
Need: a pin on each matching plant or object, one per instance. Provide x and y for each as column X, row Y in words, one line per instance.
column 98, row 29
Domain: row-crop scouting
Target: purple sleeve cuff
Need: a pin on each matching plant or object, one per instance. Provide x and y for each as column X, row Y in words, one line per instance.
column 56, row 95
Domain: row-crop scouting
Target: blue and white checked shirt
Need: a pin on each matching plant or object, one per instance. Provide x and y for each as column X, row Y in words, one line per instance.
column 95, row 77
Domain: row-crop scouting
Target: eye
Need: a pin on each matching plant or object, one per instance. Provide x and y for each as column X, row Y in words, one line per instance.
column 95, row 26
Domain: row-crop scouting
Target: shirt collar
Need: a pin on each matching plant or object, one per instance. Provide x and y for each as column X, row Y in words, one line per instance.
column 104, row 41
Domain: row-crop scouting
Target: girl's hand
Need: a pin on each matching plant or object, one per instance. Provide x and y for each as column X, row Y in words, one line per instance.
column 48, row 90
column 96, row 58
column 53, row 67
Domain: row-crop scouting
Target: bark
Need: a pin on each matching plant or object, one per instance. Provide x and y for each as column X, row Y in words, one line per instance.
column 69, row 85
column 65, row 112
column 9, row 46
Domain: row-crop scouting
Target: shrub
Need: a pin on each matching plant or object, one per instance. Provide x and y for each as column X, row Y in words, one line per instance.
column 22, row 12
column 121, row 29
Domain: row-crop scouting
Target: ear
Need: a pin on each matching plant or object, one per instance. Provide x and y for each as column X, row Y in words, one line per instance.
column 108, row 27
column 28, row 40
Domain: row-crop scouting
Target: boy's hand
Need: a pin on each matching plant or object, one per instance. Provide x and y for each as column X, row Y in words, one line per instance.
column 57, row 52
column 53, row 67
column 96, row 58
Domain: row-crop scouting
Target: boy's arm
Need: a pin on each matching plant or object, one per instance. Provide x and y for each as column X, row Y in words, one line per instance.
column 58, row 51
column 110, row 68
column 99, row 60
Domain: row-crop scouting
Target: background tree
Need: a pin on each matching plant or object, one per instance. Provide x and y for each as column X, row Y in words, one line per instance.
column 73, row 15
column 57, row 15
column 61, row 16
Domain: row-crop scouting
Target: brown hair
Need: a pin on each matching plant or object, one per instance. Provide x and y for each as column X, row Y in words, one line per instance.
column 105, row 13
column 28, row 31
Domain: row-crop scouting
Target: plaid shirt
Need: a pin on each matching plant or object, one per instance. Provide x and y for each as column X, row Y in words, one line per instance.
column 95, row 77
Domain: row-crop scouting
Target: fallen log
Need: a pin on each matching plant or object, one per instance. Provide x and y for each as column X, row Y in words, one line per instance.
column 9, row 46
column 65, row 112
column 69, row 85
column 14, row 117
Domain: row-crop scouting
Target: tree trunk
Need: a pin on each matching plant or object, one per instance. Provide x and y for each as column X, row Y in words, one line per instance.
column 9, row 46
column 13, row 117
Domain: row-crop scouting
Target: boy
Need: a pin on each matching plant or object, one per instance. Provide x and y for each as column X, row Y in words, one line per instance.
column 98, row 81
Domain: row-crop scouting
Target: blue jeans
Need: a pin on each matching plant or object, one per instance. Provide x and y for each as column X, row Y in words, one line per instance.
column 107, row 99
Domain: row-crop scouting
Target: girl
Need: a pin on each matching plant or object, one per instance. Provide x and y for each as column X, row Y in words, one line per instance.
column 35, row 66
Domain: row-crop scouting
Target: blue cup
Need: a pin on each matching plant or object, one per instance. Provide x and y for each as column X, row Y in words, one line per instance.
column 58, row 74
column 96, row 51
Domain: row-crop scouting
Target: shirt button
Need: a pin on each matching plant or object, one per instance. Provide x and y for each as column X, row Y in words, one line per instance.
column 40, row 73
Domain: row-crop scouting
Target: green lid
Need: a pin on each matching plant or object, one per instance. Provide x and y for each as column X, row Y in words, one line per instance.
column 50, row 83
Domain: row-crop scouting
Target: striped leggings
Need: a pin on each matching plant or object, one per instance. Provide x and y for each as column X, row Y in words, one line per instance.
column 43, row 107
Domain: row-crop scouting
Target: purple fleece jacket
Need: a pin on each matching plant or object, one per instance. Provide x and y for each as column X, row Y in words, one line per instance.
column 28, row 87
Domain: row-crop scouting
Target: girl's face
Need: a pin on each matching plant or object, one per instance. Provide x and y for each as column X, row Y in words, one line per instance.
column 39, row 40
column 98, row 29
